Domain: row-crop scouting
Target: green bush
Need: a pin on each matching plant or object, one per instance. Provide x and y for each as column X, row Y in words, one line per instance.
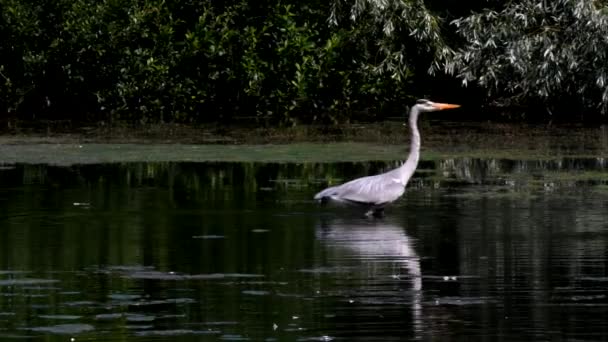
column 195, row 61
column 550, row 56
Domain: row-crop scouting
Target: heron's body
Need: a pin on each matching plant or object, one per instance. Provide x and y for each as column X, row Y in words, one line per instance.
column 377, row 191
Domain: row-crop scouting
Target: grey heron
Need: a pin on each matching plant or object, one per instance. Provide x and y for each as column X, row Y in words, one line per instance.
column 375, row 192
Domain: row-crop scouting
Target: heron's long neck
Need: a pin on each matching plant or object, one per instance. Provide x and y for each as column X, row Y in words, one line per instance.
column 408, row 168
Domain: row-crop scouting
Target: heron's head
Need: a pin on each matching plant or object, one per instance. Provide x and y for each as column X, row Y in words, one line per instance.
column 429, row 106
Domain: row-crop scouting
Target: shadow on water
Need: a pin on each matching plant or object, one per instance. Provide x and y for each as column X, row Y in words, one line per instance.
column 488, row 248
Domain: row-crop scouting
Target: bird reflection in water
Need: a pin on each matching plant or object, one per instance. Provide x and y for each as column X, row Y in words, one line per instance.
column 377, row 269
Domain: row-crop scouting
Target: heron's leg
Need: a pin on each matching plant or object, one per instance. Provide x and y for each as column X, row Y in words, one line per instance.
column 375, row 212
column 378, row 212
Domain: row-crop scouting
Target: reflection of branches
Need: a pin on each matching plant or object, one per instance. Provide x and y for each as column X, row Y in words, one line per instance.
column 6, row 78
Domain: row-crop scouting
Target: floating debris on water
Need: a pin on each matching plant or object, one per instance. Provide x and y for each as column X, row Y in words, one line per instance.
column 64, row 329
column 233, row 337
column 462, row 301
column 27, row 282
column 81, row 303
column 175, row 332
column 324, row 338
column 60, row 317
column 325, row 270
column 209, row 237
column 598, row 279
column 123, row 297
column 109, row 316
column 256, row 292
column 139, row 318
column 8, row 272
column 129, row 268
column 178, row 276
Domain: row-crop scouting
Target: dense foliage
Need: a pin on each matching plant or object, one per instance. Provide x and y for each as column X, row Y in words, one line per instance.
column 548, row 55
column 289, row 62
column 205, row 61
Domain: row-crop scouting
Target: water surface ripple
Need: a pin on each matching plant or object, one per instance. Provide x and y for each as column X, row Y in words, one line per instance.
column 492, row 249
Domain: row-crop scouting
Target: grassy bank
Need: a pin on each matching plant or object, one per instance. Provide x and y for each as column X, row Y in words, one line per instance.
column 380, row 141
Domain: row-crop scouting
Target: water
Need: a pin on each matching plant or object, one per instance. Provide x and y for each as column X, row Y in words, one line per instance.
column 493, row 249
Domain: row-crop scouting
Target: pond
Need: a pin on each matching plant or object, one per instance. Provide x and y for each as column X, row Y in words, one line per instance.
column 497, row 249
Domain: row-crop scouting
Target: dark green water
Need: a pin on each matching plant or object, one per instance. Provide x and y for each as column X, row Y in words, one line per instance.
column 477, row 248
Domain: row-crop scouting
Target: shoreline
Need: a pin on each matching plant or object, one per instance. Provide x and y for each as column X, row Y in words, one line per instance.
column 386, row 132
column 361, row 142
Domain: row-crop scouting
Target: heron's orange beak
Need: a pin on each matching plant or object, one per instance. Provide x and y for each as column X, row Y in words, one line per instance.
column 442, row 106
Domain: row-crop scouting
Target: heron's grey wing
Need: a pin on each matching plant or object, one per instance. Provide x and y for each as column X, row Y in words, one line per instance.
column 377, row 189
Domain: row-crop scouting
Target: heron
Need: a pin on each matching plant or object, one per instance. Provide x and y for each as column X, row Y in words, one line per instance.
column 375, row 192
